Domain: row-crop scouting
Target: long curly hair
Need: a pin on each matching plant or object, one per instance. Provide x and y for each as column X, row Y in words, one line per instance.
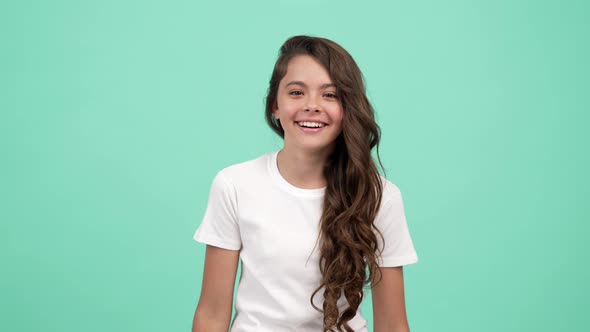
column 348, row 244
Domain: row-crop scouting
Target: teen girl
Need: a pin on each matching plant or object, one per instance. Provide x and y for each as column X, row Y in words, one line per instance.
column 308, row 220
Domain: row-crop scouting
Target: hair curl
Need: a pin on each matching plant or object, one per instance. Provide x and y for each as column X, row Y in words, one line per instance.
column 354, row 186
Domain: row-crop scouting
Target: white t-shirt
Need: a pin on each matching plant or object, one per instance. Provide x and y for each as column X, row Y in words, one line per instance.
column 275, row 225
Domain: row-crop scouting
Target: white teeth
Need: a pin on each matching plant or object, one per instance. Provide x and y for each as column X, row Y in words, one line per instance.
column 311, row 124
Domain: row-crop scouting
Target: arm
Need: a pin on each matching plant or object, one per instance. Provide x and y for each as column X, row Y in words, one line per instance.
column 214, row 310
column 389, row 308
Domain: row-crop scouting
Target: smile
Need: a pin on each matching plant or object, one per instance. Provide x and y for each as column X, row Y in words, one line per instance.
column 309, row 124
column 311, row 127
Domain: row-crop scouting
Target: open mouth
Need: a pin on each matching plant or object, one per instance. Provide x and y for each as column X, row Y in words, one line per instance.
column 306, row 124
column 311, row 127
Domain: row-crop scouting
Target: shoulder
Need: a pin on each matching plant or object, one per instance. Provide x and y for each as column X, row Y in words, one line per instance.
column 249, row 170
column 392, row 203
column 390, row 190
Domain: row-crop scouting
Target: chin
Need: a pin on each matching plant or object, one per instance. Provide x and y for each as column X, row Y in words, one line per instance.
column 314, row 147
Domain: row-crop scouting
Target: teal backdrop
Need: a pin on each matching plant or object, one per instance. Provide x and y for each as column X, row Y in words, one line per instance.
column 116, row 115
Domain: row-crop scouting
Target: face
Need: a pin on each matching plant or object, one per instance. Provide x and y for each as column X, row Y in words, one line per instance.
column 308, row 97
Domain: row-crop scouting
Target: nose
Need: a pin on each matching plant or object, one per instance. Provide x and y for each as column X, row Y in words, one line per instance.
column 312, row 105
column 312, row 108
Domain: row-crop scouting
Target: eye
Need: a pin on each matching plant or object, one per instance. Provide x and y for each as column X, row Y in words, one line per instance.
column 331, row 95
column 295, row 92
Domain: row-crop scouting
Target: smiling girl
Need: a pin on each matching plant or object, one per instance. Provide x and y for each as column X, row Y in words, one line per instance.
column 309, row 220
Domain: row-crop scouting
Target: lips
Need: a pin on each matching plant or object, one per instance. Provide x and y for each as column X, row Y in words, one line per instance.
column 314, row 122
column 300, row 124
column 322, row 122
column 310, row 129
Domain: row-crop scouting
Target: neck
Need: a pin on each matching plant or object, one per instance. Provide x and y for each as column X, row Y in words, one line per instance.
column 303, row 168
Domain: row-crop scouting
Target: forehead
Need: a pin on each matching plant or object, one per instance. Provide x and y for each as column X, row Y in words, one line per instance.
column 307, row 69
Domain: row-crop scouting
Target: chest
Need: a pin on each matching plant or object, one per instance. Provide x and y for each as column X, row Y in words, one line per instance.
column 280, row 232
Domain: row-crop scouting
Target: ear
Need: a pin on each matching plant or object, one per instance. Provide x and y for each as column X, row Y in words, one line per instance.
column 275, row 110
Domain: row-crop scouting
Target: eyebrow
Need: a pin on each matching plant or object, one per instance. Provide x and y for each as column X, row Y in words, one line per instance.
column 325, row 85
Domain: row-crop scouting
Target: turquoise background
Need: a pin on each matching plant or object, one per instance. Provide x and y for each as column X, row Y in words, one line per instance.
column 116, row 115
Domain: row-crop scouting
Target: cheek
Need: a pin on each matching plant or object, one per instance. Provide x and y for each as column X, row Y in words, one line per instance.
column 287, row 107
column 337, row 115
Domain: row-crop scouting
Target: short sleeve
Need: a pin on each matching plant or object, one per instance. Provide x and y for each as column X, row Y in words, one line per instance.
column 219, row 226
column 391, row 221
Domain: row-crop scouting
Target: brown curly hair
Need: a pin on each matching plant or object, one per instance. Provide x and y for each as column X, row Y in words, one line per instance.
column 354, row 187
